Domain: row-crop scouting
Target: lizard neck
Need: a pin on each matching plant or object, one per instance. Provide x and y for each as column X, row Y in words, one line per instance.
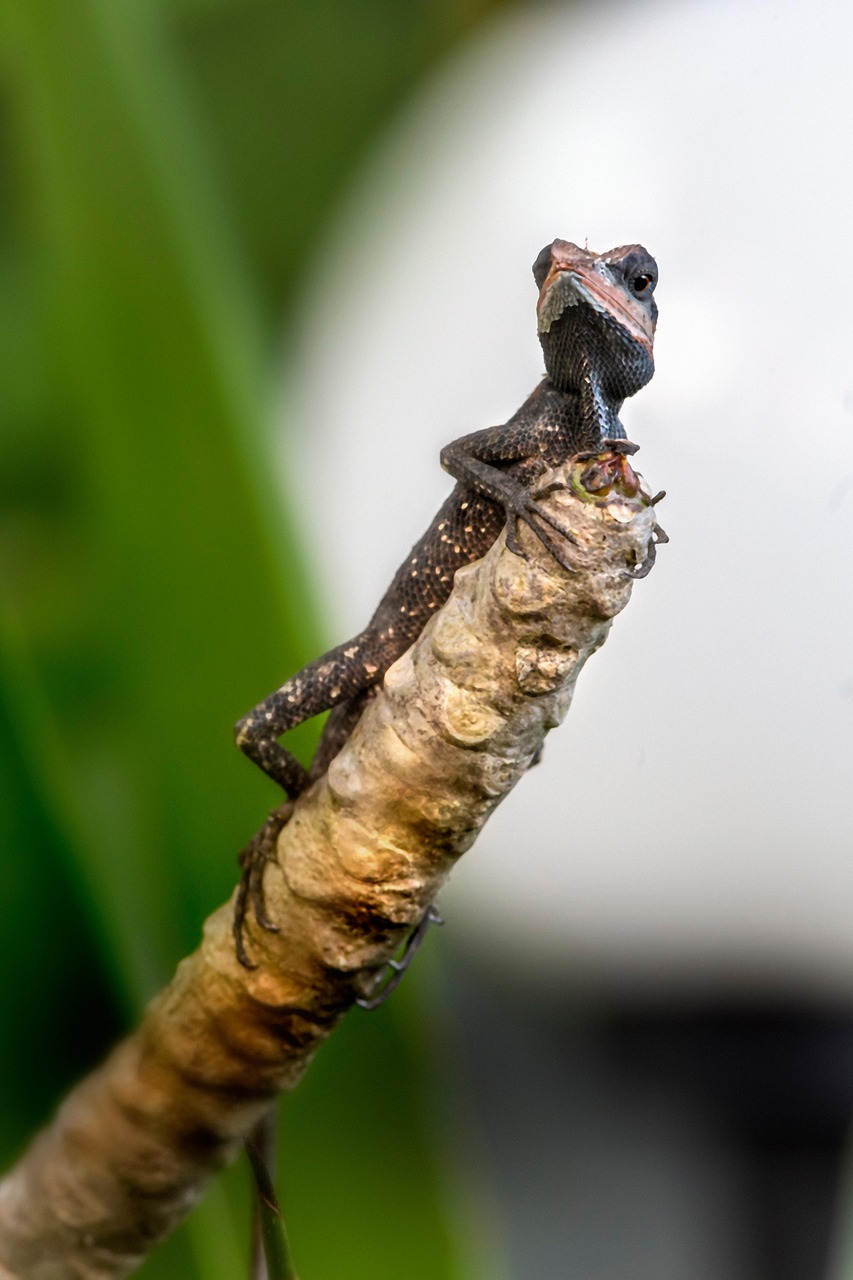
column 599, row 413
column 587, row 415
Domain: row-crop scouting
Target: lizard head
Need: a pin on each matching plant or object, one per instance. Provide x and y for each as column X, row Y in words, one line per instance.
column 597, row 316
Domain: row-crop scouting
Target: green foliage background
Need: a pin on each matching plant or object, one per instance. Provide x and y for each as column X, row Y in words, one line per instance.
column 165, row 171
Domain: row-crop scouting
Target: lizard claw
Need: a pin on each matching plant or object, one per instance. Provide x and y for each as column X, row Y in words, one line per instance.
column 253, row 859
column 626, row 447
column 519, row 505
column 659, row 536
column 643, row 570
column 381, row 990
column 554, row 545
column 512, row 540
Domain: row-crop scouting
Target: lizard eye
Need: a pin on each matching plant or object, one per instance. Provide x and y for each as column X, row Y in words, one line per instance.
column 643, row 284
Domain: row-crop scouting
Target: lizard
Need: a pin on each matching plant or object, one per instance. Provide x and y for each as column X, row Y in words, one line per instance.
column 596, row 319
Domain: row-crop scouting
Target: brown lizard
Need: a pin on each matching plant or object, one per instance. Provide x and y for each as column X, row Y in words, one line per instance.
column 596, row 320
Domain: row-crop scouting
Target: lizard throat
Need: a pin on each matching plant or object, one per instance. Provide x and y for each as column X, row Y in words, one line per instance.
column 599, row 414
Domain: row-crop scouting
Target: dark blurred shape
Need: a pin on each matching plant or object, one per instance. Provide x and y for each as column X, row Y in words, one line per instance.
column 702, row 1143
column 165, row 169
column 294, row 95
column 46, row 1030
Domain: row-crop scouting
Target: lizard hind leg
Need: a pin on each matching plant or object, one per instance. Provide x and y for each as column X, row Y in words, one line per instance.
column 253, row 859
column 337, row 729
column 342, row 679
column 262, row 848
column 331, row 679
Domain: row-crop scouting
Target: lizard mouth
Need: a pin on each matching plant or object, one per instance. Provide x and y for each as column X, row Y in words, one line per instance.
column 594, row 284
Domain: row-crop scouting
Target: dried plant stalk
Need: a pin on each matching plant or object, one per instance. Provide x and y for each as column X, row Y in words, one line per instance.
column 460, row 718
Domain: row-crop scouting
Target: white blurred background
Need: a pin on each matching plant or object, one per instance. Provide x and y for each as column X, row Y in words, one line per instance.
column 718, row 721
column 653, row 1012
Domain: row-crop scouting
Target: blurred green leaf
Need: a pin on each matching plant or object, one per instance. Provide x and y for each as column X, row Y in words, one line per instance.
column 41, row 917
column 148, row 557
column 389, row 1211
column 294, row 94
column 161, row 369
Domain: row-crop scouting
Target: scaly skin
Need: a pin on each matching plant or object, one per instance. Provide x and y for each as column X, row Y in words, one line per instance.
column 596, row 318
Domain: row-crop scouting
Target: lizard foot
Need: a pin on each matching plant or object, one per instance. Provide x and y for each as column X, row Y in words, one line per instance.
column 626, row 447
column 659, row 536
column 391, row 974
column 253, row 859
column 519, row 505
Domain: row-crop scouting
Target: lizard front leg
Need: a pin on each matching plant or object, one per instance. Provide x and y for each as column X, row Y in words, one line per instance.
column 475, row 461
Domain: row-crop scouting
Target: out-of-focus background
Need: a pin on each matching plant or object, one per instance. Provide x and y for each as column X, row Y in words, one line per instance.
column 259, row 260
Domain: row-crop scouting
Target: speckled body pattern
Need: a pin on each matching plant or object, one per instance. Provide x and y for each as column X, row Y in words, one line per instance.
column 546, row 430
column 596, row 327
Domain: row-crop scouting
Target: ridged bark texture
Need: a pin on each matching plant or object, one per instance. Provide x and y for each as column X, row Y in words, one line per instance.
column 460, row 718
